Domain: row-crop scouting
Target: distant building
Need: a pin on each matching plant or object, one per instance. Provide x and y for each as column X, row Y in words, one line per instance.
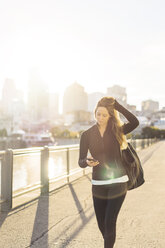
column 75, row 98
column 93, row 98
column 18, row 110
column 149, row 106
column 82, row 116
column 53, row 106
column 38, row 98
column 12, row 107
column 131, row 107
column 119, row 93
column 160, row 123
column 77, row 116
column 157, row 114
column 69, row 118
column 10, row 95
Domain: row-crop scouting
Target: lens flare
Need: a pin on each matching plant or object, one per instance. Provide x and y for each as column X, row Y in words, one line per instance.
column 110, row 171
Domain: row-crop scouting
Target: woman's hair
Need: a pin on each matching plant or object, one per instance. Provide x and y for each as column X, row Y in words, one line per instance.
column 108, row 103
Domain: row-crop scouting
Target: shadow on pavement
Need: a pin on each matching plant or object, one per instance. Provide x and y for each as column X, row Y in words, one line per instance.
column 41, row 222
column 3, row 216
column 77, row 203
column 81, row 215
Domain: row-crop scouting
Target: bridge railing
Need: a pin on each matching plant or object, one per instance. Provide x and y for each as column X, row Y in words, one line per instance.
column 43, row 169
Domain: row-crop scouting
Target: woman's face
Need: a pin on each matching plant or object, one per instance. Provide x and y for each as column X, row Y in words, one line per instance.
column 102, row 116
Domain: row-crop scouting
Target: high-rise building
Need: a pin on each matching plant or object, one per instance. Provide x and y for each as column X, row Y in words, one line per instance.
column 150, row 106
column 12, row 100
column 75, row 98
column 119, row 93
column 53, row 106
column 38, row 98
column 9, row 93
column 13, row 107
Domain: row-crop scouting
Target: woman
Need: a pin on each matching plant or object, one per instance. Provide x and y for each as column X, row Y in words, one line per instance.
column 104, row 140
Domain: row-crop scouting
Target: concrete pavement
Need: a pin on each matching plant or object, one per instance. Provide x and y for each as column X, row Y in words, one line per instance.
column 65, row 217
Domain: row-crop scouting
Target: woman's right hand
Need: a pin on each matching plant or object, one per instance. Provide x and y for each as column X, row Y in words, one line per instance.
column 92, row 163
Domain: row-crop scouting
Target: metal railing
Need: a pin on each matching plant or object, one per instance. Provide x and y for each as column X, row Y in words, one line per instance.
column 26, row 170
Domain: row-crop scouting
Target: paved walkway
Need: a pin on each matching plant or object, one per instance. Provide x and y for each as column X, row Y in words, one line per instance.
column 65, row 218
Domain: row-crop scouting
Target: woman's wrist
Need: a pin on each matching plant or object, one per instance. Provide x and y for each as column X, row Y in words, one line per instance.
column 117, row 105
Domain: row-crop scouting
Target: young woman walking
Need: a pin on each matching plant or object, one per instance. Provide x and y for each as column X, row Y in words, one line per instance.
column 104, row 140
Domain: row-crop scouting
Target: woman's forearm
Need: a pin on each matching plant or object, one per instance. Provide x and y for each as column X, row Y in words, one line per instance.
column 83, row 151
column 133, row 121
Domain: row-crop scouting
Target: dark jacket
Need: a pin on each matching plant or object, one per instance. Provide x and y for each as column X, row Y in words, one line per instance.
column 105, row 149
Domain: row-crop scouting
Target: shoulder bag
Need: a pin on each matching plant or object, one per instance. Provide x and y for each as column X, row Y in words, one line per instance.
column 133, row 167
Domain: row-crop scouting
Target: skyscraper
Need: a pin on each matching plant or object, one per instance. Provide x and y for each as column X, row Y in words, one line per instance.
column 38, row 98
column 53, row 106
column 12, row 99
column 9, row 93
column 150, row 106
column 75, row 98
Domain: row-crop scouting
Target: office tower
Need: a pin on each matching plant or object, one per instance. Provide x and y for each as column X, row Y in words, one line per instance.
column 38, row 98
column 149, row 106
column 75, row 99
column 12, row 100
column 9, row 93
column 53, row 106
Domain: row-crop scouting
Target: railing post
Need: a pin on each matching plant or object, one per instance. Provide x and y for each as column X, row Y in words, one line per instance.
column 67, row 164
column 7, row 180
column 44, row 170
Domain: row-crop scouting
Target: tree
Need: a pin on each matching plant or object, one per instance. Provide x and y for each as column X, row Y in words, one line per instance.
column 56, row 132
column 153, row 132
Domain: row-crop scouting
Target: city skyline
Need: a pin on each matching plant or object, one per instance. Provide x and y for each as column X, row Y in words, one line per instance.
column 61, row 95
column 11, row 93
column 98, row 44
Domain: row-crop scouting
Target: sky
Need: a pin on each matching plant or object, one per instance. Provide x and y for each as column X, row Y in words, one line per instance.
column 97, row 43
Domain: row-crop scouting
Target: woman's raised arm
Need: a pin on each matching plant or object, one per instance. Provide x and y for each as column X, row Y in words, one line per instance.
column 133, row 121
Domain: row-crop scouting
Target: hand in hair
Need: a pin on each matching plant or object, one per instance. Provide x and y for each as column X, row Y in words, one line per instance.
column 116, row 105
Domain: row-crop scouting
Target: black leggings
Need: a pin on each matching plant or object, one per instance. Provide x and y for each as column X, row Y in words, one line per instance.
column 106, row 211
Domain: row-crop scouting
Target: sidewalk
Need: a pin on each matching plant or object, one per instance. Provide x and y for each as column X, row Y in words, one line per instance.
column 65, row 218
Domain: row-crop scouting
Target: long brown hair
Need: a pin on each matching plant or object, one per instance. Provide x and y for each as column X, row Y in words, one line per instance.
column 108, row 103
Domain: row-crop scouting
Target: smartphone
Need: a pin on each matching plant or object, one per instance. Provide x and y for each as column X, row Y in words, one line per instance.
column 92, row 159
